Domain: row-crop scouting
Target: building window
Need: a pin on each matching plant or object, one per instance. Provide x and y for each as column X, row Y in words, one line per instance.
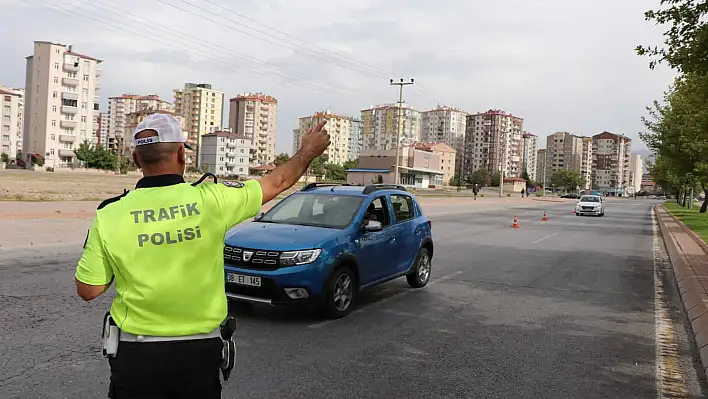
column 85, row 78
column 55, row 94
column 56, row 65
column 56, row 79
column 54, row 123
column 221, row 158
column 54, row 108
column 51, row 151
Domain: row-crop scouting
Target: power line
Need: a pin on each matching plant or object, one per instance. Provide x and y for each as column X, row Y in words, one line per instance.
column 375, row 68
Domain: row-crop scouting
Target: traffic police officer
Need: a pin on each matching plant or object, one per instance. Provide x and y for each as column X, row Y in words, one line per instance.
column 162, row 244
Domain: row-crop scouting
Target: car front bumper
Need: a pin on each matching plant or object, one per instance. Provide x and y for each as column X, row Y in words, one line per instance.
column 273, row 283
column 582, row 212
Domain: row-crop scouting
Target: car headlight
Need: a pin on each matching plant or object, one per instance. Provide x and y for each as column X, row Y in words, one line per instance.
column 295, row 258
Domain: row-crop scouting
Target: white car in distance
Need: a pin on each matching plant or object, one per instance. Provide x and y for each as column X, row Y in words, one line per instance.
column 590, row 205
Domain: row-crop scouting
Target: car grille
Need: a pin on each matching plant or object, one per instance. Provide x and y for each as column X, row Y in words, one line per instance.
column 588, row 208
column 258, row 260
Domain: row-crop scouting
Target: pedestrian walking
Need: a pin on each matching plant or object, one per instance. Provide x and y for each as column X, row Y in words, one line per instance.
column 475, row 190
column 162, row 246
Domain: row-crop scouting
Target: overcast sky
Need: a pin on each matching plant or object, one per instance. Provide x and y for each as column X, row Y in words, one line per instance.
column 561, row 65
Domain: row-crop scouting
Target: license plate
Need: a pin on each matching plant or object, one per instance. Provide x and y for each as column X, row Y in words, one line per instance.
column 253, row 281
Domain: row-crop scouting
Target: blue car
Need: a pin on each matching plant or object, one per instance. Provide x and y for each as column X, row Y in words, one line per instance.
column 325, row 243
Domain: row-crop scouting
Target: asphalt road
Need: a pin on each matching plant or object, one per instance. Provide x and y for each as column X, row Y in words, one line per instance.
column 559, row 309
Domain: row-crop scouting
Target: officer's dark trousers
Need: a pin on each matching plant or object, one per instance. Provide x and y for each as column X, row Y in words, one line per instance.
column 166, row 370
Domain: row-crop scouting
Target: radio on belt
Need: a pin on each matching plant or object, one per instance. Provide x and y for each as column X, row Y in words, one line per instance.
column 228, row 353
column 110, row 336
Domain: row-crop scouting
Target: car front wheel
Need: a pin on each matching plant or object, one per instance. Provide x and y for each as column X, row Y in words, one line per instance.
column 420, row 275
column 341, row 293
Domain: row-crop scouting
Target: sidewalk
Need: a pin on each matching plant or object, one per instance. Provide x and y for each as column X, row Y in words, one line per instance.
column 689, row 258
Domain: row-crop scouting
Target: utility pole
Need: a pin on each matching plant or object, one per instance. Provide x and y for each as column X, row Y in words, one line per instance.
column 545, row 164
column 501, row 169
column 399, row 131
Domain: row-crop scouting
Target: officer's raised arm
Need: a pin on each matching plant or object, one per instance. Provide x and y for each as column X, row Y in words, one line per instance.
column 314, row 142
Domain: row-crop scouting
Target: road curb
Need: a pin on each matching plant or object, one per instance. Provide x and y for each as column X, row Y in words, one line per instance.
column 689, row 261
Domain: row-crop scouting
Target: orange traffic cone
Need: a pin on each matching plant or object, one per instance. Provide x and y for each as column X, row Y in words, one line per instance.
column 544, row 218
column 573, row 211
column 516, row 223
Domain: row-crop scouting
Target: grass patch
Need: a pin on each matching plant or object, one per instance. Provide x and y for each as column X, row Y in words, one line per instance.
column 698, row 222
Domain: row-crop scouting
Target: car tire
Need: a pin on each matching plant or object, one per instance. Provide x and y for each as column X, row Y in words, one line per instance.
column 420, row 275
column 335, row 306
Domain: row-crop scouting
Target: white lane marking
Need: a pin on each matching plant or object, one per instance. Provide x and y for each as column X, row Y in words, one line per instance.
column 544, row 238
column 381, row 302
column 669, row 379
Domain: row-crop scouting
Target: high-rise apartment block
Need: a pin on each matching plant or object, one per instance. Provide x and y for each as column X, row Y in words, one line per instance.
column 226, row 153
column 611, row 162
column 339, row 129
column 103, row 129
column 529, row 154
column 494, row 141
column 444, row 125
column 11, row 121
column 202, row 109
column 355, row 139
column 255, row 115
column 586, row 162
column 541, row 158
column 119, row 107
column 636, row 171
column 380, row 126
column 564, row 153
column 61, row 97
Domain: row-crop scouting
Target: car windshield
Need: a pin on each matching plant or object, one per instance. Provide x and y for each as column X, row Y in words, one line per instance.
column 320, row 210
column 588, row 198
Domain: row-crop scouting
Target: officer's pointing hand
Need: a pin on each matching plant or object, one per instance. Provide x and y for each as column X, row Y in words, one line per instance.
column 316, row 140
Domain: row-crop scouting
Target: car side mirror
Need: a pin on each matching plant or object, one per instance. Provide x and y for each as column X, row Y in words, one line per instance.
column 258, row 217
column 372, row 226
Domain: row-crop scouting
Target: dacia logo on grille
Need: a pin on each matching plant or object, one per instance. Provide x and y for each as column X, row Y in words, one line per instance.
column 247, row 255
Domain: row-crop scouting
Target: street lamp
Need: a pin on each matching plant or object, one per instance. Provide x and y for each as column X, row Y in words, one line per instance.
column 399, row 131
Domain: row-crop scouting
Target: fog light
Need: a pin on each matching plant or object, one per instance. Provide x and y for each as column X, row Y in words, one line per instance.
column 297, row 293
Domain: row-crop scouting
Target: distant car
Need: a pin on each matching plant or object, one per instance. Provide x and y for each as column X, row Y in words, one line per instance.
column 571, row 195
column 325, row 243
column 590, row 205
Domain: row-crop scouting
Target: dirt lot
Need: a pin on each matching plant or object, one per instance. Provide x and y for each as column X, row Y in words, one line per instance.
column 21, row 185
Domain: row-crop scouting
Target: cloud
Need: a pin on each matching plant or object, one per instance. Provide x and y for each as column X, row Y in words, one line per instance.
column 560, row 65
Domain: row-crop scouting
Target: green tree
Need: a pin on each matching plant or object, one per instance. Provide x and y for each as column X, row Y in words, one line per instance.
column 317, row 166
column 19, row 155
column 480, row 176
column 567, row 179
column 335, row 172
column 96, row 157
column 85, row 152
column 495, row 179
column 685, row 39
column 281, row 159
column 4, row 158
column 351, row 164
column 526, row 177
column 677, row 133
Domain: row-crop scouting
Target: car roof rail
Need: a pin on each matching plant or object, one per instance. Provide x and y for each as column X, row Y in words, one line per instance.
column 375, row 187
column 310, row 186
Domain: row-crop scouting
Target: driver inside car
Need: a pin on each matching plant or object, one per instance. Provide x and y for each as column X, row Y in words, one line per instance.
column 370, row 215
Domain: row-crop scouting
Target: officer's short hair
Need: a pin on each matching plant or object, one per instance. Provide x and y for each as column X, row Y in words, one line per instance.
column 150, row 154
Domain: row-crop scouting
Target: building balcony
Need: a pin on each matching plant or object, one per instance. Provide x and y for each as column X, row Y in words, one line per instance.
column 99, row 71
column 70, row 82
column 230, row 145
column 67, row 138
column 69, row 96
column 66, row 109
column 71, row 67
column 63, row 152
column 230, row 164
column 95, row 126
column 68, row 124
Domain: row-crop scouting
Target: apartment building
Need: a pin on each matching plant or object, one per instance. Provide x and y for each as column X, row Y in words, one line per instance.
column 611, row 163
column 11, row 121
column 255, row 115
column 202, row 109
column 586, row 162
column 225, row 153
column 636, row 171
column 541, row 158
column 103, row 129
column 444, row 125
column 380, row 126
column 119, row 107
column 355, row 139
column 494, row 141
column 61, row 97
column 529, row 154
column 445, row 154
column 564, row 152
column 339, row 129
